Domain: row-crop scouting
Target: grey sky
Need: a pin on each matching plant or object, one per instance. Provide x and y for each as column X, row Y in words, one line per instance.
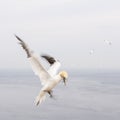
column 66, row 29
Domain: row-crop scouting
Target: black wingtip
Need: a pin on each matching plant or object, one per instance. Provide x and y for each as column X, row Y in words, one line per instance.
column 24, row 46
column 50, row 59
column 18, row 38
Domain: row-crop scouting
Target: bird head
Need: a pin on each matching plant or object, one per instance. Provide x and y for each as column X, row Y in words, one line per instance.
column 64, row 76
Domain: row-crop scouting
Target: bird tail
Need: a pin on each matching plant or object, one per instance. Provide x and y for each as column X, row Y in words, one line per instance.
column 40, row 98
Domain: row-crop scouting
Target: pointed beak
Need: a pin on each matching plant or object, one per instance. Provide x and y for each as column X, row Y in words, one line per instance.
column 64, row 80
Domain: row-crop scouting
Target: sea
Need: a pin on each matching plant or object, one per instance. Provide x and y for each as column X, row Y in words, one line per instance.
column 88, row 95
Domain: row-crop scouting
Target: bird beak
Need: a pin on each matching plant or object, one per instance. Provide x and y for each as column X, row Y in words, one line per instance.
column 64, row 80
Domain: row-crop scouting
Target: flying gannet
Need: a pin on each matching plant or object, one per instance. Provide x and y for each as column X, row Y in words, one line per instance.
column 49, row 78
column 108, row 42
column 91, row 51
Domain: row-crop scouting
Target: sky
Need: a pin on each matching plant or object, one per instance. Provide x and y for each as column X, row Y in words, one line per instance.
column 73, row 31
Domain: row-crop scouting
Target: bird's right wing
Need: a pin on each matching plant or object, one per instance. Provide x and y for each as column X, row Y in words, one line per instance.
column 53, row 70
column 54, row 64
column 34, row 60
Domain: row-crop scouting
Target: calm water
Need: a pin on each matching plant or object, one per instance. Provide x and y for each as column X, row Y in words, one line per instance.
column 87, row 96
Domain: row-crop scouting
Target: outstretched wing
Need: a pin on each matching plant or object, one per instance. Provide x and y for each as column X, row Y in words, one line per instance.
column 24, row 46
column 54, row 64
column 34, row 60
column 50, row 59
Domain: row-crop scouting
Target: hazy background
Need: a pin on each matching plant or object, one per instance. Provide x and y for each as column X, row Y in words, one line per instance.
column 66, row 29
column 74, row 32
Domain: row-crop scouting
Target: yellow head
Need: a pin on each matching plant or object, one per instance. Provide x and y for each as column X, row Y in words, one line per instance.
column 64, row 75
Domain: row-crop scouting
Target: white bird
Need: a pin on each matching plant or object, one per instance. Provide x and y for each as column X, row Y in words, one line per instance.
column 49, row 79
column 91, row 51
column 108, row 42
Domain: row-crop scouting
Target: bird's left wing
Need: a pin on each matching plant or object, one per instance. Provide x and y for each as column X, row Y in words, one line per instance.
column 34, row 60
column 38, row 69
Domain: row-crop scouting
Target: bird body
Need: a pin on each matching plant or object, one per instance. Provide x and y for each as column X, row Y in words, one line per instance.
column 49, row 78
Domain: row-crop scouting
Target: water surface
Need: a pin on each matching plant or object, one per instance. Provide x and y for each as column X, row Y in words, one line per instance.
column 87, row 96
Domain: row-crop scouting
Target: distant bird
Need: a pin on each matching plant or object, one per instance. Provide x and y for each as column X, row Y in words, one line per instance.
column 49, row 79
column 108, row 42
column 91, row 51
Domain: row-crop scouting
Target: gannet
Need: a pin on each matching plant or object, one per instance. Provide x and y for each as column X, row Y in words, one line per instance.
column 108, row 42
column 91, row 51
column 49, row 78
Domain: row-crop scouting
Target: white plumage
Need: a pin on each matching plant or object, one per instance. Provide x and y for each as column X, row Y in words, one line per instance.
column 49, row 79
column 108, row 42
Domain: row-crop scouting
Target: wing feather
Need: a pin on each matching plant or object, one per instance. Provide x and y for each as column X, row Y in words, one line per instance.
column 38, row 69
column 54, row 64
column 50, row 59
column 24, row 46
column 34, row 60
column 53, row 70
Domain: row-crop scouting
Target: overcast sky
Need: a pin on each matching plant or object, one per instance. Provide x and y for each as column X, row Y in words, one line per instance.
column 71, row 30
